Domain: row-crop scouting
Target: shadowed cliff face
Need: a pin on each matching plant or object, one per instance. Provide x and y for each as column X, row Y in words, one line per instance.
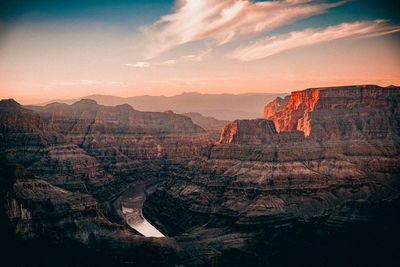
column 264, row 194
column 210, row 124
column 92, row 148
column 45, row 225
column 72, row 161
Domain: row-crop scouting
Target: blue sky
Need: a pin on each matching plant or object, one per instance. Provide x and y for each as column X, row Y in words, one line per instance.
column 140, row 12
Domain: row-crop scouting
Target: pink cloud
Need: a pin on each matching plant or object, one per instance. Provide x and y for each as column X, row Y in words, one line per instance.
column 226, row 20
column 269, row 46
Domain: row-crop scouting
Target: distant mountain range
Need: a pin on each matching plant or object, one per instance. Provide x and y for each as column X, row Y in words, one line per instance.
column 220, row 106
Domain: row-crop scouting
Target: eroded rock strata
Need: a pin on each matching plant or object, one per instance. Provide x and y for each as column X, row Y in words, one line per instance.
column 317, row 184
column 45, row 225
column 210, row 124
column 68, row 163
column 92, row 148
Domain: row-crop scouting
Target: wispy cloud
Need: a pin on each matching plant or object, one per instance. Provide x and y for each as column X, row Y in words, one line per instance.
column 168, row 62
column 186, row 58
column 226, row 20
column 197, row 57
column 269, row 46
column 139, row 64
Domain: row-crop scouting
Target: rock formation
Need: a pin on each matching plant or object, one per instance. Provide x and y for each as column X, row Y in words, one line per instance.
column 314, row 183
column 86, row 146
column 42, row 224
column 71, row 162
column 219, row 106
column 325, row 164
column 329, row 109
column 274, row 106
column 210, row 124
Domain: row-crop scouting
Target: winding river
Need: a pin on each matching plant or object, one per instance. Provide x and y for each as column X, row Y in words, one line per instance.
column 132, row 203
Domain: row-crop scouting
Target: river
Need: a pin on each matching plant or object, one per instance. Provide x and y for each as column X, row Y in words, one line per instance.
column 132, row 203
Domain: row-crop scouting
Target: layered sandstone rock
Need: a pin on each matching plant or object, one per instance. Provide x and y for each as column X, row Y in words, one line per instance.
column 79, row 157
column 71, row 227
column 91, row 148
column 328, row 162
column 248, row 132
column 302, row 188
column 330, row 111
column 210, row 124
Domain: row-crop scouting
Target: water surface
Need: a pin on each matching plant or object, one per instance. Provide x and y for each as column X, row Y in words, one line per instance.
column 132, row 203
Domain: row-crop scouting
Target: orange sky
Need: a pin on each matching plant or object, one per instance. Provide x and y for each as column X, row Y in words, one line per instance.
column 43, row 60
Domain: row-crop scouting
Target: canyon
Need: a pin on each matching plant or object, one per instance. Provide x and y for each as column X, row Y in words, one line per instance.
column 314, row 182
column 317, row 184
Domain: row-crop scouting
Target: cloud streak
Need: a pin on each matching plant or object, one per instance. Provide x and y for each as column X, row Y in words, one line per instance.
column 226, row 20
column 187, row 58
column 269, row 46
column 139, row 64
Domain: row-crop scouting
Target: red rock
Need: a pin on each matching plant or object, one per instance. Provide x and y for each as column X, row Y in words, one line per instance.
column 340, row 112
column 275, row 106
column 258, row 131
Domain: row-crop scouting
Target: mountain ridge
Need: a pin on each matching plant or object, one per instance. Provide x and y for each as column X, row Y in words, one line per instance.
column 220, row 106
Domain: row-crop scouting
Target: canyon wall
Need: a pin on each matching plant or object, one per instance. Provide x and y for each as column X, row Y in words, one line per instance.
column 314, row 183
column 329, row 111
column 325, row 164
column 210, row 124
column 91, row 148
column 67, row 165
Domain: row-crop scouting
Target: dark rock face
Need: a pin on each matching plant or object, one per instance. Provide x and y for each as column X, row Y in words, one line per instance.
column 42, row 224
column 274, row 192
column 91, row 148
column 210, row 124
column 72, row 161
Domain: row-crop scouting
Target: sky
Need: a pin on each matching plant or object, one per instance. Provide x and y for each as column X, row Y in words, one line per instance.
column 58, row 49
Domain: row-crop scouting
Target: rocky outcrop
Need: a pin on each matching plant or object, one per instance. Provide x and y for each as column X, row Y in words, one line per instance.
column 248, row 132
column 328, row 163
column 257, row 132
column 210, row 124
column 341, row 112
column 275, row 106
